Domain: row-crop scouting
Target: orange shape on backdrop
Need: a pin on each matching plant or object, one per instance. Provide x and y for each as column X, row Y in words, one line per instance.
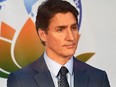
column 28, row 46
column 7, row 31
column 6, row 62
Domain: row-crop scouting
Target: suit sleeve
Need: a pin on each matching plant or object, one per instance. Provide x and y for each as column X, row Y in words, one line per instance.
column 105, row 80
column 12, row 81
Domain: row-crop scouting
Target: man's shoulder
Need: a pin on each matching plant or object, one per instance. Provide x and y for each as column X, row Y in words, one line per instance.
column 22, row 76
column 94, row 74
column 28, row 69
column 89, row 68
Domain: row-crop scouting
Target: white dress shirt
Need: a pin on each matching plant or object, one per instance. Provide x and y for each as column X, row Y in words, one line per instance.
column 54, row 68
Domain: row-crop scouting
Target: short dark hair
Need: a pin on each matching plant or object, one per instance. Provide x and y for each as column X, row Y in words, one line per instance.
column 47, row 10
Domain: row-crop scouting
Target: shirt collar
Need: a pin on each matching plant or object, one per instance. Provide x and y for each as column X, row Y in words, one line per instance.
column 54, row 67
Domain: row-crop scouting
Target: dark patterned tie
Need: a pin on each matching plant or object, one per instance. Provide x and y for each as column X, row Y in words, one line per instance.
column 63, row 79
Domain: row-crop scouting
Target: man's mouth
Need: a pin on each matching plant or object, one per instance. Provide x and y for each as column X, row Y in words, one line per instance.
column 69, row 46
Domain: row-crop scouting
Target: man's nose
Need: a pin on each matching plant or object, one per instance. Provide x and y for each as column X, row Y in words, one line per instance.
column 70, row 35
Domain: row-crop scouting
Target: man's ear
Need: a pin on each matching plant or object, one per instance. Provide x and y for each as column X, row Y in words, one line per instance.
column 42, row 34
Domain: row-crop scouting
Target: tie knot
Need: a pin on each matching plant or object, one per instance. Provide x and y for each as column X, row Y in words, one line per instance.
column 63, row 70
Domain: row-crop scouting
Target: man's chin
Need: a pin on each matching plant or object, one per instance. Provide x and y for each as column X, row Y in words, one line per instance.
column 70, row 53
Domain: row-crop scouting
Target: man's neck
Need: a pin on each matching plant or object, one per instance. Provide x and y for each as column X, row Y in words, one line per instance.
column 58, row 58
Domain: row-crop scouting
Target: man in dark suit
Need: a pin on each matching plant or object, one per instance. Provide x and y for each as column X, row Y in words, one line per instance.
column 57, row 27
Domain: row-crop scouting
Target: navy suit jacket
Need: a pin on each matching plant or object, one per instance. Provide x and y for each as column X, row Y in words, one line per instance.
column 38, row 75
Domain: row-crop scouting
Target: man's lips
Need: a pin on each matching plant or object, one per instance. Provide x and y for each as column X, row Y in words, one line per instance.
column 70, row 45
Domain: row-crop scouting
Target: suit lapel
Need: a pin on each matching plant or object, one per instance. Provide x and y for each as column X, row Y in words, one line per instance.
column 42, row 77
column 80, row 75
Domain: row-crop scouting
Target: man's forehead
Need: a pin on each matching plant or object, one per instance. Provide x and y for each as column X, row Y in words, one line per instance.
column 62, row 19
column 65, row 25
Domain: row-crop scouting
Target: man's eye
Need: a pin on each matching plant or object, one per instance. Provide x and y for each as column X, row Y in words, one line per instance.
column 60, row 30
column 74, row 28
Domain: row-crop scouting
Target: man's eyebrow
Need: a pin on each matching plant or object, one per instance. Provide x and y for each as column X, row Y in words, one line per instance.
column 61, row 26
column 75, row 24
column 65, row 26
